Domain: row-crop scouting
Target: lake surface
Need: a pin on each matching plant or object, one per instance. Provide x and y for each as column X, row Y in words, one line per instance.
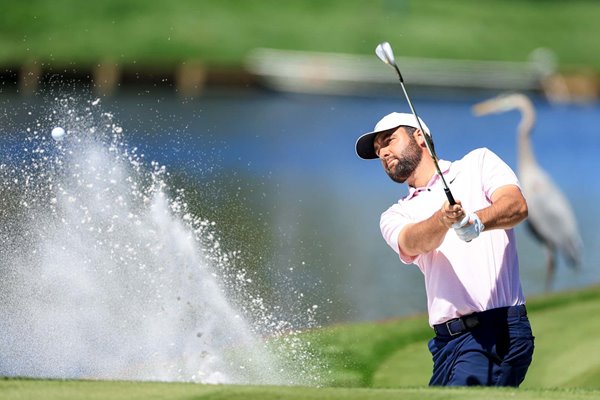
column 292, row 157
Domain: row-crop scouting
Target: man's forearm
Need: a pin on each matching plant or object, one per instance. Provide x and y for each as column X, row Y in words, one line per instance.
column 508, row 208
column 423, row 237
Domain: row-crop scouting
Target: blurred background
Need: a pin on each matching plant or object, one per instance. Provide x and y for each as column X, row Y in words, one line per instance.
column 254, row 108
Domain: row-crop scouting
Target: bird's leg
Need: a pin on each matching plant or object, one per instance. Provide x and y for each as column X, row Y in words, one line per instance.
column 550, row 267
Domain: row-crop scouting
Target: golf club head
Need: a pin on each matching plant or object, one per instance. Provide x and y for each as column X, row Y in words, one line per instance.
column 385, row 53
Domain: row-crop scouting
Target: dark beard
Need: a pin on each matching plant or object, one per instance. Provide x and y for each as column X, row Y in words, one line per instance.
column 407, row 163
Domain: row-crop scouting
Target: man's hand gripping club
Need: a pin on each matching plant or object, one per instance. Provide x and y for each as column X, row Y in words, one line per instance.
column 466, row 225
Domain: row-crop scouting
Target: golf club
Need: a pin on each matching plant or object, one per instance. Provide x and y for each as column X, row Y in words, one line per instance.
column 385, row 54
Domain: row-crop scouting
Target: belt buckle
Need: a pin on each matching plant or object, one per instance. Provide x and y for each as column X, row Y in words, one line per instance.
column 450, row 331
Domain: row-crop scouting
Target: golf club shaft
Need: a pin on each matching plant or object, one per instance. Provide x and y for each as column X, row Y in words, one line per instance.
column 428, row 142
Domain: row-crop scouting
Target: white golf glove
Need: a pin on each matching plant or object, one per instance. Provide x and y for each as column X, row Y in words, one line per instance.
column 466, row 231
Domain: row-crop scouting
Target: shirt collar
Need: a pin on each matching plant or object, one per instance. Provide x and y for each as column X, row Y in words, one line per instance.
column 444, row 167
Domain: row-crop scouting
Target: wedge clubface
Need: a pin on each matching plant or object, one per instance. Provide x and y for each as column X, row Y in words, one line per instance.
column 386, row 54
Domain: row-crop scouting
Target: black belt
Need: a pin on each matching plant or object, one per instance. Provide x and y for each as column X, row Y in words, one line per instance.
column 458, row 326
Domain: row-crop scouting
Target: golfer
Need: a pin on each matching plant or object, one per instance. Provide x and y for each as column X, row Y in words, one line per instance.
column 466, row 252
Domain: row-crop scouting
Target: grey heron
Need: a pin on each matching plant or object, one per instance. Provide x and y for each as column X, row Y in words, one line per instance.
column 551, row 218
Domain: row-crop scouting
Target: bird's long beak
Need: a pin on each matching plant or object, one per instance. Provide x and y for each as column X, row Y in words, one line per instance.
column 485, row 107
column 502, row 103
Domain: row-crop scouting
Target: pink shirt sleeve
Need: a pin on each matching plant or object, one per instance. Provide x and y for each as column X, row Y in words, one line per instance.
column 391, row 223
column 495, row 173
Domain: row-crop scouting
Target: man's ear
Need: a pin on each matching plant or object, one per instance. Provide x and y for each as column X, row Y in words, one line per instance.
column 418, row 135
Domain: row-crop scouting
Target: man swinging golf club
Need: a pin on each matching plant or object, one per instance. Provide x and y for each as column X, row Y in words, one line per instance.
column 464, row 245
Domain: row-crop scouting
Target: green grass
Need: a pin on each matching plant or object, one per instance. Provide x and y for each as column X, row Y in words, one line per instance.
column 567, row 347
column 92, row 390
column 390, row 360
column 354, row 352
column 147, row 33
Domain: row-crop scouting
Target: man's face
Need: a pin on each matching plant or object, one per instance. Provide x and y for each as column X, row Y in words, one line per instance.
column 399, row 153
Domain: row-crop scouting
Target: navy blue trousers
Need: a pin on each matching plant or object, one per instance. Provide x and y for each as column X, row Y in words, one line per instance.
column 497, row 352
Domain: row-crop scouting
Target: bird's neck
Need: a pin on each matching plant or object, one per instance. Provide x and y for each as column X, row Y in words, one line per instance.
column 526, row 155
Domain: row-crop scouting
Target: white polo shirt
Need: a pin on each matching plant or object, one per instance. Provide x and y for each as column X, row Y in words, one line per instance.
column 462, row 278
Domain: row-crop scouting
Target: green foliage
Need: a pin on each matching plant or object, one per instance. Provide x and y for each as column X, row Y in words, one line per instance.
column 154, row 33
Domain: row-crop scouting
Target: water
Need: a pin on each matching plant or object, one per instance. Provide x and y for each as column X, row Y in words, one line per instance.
column 106, row 274
column 306, row 209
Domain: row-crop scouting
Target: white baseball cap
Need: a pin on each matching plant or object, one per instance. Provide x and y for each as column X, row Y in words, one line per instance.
column 364, row 144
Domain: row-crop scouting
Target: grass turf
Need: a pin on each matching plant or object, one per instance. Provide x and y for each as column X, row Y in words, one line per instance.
column 96, row 390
